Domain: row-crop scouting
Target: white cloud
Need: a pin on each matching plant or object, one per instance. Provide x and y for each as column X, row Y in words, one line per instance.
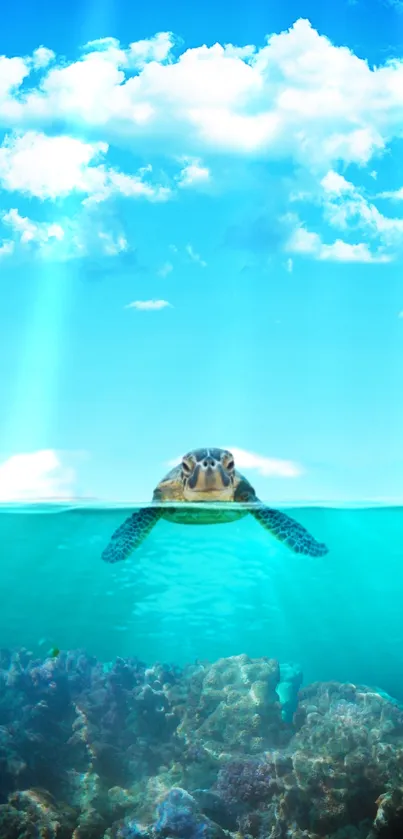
column 304, row 242
column 13, row 71
column 193, row 173
column 289, row 265
column 27, row 232
column 129, row 186
column 60, row 241
column 113, row 246
column 148, row 305
column 49, row 167
column 108, row 45
column 194, row 256
column 165, row 269
column 336, row 184
column 151, row 49
column 307, row 243
column 35, row 475
column 30, row 231
column 52, row 167
column 400, row 315
column 6, row 248
column 42, row 56
column 394, row 195
column 298, row 96
column 266, row 466
column 341, row 251
column 346, row 207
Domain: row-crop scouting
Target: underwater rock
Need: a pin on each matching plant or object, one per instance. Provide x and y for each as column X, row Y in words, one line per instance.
column 91, row 825
column 245, row 783
column 129, row 829
column 288, row 689
column 178, row 816
column 215, row 808
column 154, row 713
column 388, row 822
column 347, row 751
column 233, row 707
column 125, row 751
column 37, row 811
column 13, row 767
column 70, row 715
column 246, row 786
column 16, row 825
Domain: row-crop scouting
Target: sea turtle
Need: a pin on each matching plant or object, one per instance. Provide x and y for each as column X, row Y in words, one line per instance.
column 207, row 475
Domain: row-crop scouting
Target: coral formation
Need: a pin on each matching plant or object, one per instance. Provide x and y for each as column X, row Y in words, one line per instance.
column 89, row 751
column 234, row 707
column 288, row 689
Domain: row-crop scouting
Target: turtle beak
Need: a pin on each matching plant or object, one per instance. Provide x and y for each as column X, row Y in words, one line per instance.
column 209, row 475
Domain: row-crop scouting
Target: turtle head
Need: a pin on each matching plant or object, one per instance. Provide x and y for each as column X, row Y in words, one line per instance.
column 208, row 475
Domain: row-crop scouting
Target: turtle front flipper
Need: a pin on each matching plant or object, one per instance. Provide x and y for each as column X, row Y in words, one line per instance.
column 283, row 527
column 287, row 530
column 131, row 534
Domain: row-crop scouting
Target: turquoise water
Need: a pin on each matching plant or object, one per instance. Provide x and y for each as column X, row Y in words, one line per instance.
column 209, row 591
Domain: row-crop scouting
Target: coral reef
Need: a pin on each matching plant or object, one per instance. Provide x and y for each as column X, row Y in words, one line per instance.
column 233, row 707
column 288, row 689
column 125, row 751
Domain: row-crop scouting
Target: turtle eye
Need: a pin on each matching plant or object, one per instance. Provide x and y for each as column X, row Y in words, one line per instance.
column 186, row 468
column 230, row 465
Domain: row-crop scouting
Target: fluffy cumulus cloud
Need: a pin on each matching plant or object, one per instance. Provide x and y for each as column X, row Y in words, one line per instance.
column 13, row 71
column 156, row 49
column 35, row 475
column 48, row 167
column 41, row 57
column 297, row 96
column 346, row 208
column 25, row 235
column 308, row 243
column 193, row 173
column 60, row 240
column 29, row 231
column 54, row 167
column 394, row 194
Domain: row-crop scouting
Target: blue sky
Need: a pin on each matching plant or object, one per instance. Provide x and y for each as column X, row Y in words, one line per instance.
column 201, row 240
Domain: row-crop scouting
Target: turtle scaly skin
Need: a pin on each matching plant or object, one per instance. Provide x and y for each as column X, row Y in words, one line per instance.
column 131, row 534
column 207, row 475
column 282, row 527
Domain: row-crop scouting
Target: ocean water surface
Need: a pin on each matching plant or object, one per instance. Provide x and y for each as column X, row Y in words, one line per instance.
column 204, row 592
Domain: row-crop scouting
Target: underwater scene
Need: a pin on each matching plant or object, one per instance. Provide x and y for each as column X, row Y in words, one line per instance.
column 215, row 683
column 201, row 244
